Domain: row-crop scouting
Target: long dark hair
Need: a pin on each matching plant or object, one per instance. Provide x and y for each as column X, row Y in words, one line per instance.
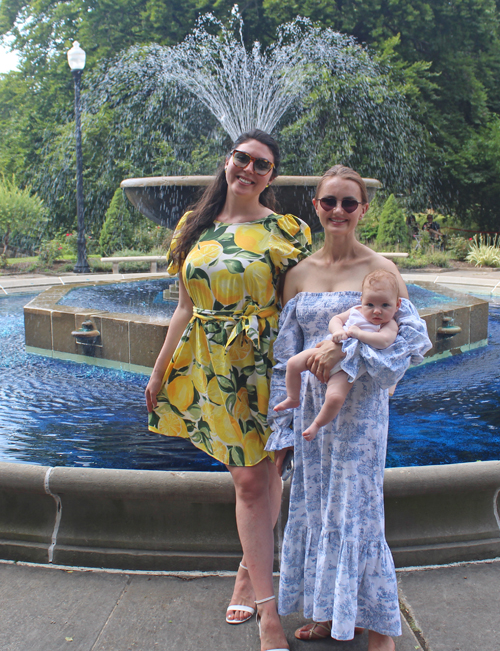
column 212, row 201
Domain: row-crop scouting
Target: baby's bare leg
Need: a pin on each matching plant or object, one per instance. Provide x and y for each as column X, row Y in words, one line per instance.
column 294, row 368
column 336, row 392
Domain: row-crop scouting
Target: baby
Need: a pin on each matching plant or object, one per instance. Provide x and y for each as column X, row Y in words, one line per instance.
column 372, row 322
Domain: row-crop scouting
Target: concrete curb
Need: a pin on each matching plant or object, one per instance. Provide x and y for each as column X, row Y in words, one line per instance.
column 154, row 520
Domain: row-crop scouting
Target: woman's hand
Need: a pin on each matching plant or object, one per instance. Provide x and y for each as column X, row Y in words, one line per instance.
column 322, row 360
column 152, row 390
column 279, row 456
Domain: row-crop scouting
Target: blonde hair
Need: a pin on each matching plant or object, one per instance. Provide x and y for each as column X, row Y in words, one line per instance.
column 380, row 276
column 345, row 173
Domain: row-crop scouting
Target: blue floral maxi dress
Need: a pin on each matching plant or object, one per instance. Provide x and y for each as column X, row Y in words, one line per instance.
column 336, row 563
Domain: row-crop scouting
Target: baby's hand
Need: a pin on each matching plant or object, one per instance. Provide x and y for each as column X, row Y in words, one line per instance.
column 338, row 336
column 353, row 331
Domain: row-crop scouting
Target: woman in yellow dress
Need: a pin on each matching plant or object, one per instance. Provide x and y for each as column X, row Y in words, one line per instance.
column 211, row 380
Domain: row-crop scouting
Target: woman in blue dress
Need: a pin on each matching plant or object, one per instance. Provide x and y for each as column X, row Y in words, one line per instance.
column 336, row 564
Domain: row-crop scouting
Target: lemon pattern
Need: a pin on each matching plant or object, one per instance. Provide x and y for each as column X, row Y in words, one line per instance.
column 216, row 387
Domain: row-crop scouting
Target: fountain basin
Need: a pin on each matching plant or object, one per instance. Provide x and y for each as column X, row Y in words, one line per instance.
column 156, row 520
column 132, row 341
column 164, row 199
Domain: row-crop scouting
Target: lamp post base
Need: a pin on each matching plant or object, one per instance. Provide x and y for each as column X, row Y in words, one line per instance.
column 81, row 268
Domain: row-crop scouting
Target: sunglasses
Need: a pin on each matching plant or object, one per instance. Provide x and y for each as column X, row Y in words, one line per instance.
column 261, row 166
column 349, row 205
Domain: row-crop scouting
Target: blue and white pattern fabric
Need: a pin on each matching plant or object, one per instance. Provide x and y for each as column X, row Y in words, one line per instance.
column 336, row 564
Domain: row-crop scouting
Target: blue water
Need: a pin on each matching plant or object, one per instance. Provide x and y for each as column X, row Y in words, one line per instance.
column 68, row 414
column 146, row 297
column 449, row 411
column 140, row 297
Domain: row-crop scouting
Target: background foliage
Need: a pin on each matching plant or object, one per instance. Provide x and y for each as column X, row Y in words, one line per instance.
column 444, row 56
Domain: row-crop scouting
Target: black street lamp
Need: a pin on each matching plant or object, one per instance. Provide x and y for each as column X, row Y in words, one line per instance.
column 76, row 61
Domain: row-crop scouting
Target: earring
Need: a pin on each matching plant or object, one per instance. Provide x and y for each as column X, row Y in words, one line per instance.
column 267, row 185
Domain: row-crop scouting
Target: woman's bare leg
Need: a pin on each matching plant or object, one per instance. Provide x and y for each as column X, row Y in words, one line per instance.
column 258, row 496
column 336, row 392
column 294, row 368
column 379, row 642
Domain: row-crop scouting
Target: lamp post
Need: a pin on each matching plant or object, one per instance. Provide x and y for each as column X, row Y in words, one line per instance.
column 76, row 61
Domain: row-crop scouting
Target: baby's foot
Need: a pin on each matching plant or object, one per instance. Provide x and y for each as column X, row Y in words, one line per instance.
column 311, row 431
column 288, row 403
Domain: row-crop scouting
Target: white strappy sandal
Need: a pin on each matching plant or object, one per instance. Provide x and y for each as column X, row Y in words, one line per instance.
column 235, row 607
column 263, row 601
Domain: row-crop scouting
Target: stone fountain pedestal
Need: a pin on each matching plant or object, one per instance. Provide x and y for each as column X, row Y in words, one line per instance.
column 164, row 199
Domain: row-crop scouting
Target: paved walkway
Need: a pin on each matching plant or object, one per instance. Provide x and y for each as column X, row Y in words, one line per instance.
column 488, row 280
column 453, row 608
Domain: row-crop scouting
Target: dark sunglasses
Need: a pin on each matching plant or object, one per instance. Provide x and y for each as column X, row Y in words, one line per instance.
column 349, row 205
column 261, row 166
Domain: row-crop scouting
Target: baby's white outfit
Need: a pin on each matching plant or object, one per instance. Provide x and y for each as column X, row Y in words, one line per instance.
column 357, row 319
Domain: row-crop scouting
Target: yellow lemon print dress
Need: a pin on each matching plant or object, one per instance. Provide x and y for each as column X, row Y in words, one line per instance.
column 216, row 387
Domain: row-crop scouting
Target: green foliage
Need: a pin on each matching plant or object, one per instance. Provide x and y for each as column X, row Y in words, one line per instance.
column 444, row 59
column 118, row 228
column 392, row 228
column 151, row 238
column 21, row 213
column 69, row 242
column 458, row 247
column 437, row 258
column 368, row 226
column 49, row 252
column 484, row 251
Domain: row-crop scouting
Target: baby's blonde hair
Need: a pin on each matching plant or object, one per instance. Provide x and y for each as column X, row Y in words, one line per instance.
column 381, row 275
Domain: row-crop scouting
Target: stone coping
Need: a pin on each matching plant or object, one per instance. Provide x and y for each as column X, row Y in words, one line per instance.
column 159, row 520
column 280, row 180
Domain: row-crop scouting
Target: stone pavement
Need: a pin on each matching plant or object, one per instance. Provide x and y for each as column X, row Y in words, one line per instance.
column 489, row 279
column 452, row 608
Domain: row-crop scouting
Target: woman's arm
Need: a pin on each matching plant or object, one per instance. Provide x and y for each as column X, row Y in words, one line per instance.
column 180, row 319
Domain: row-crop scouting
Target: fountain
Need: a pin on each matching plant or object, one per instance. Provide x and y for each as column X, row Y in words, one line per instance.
column 138, row 519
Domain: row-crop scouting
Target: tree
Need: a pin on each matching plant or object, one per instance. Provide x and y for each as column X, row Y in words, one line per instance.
column 21, row 214
column 392, row 228
column 117, row 230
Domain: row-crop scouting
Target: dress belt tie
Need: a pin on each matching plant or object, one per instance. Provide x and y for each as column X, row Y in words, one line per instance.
column 246, row 321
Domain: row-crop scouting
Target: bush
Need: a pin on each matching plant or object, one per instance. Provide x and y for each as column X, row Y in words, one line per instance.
column 438, row 259
column 148, row 236
column 49, row 252
column 69, row 242
column 458, row 247
column 484, row 251
column 118, row 229
column 22, row 214
column 392, row 229
column 368, row 226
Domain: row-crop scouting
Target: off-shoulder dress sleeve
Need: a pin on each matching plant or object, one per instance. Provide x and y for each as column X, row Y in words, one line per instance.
column 388, row 366
column 173, row 267
column 289, row 342
column 289, row 243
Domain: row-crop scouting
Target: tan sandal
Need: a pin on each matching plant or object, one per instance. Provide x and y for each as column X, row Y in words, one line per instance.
column 312, row 632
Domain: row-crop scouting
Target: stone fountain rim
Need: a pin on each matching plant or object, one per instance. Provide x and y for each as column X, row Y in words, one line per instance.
column 154, row 181
column 96, row 517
